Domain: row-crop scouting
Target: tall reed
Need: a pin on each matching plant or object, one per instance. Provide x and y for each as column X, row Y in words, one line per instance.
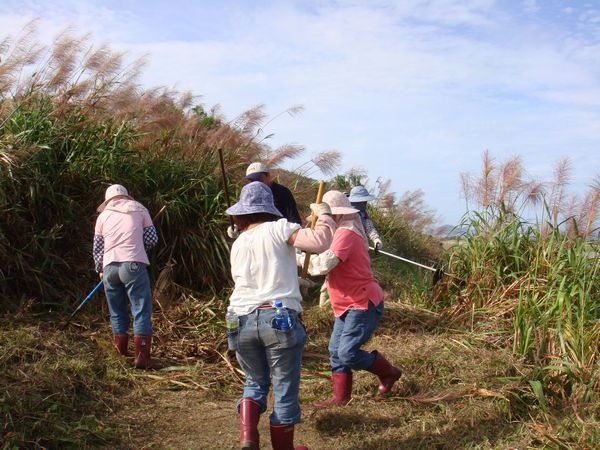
column 537, row 282
column 73, row 119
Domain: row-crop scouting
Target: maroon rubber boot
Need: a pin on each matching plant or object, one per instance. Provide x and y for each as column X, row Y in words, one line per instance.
column 386, row 373
column 282, row 438
column 342, row 391
column 120, row 342
column 142, row 348
column 249, row 416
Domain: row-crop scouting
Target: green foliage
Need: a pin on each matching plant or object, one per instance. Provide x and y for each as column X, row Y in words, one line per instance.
column 542, row 286
column 402, row 281
column 53, row 176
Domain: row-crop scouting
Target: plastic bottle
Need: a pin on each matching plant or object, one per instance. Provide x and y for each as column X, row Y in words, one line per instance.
column 282, row 317
column 231, row 319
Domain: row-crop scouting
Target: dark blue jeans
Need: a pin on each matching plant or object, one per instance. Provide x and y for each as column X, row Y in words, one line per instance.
column 128, row 280
column 266, row 354
column 350, row 331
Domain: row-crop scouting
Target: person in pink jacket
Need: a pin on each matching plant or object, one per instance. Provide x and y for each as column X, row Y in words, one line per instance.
column 123, row 234
column 357, row 302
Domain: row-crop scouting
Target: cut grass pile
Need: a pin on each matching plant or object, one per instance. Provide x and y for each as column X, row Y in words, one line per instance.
column 58, row 389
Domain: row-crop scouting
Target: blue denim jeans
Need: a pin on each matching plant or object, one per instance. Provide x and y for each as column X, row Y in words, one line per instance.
column 268, row 355
column 350, row 331
column 128, row 280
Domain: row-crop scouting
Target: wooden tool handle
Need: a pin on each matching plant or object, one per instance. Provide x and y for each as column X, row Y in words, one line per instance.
column 313, row 221
column 224, row 177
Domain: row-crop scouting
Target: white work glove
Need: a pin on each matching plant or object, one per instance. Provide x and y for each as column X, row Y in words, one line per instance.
column 324, row 296
column 300, row 259
column 377, row 245
column 233, row 232
column 305, row 284
column 319, row 209
column 320, row 264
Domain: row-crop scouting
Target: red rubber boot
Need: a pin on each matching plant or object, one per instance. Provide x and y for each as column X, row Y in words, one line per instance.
column 120, row 342
column 282, row 438
column 142, row 346
column 342, row 390
column 386, row 373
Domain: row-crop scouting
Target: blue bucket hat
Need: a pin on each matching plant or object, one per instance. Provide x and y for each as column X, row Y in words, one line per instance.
column 360, row 194
column 255, row 197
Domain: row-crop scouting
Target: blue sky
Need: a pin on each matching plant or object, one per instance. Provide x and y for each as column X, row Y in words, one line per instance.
column 413, row 91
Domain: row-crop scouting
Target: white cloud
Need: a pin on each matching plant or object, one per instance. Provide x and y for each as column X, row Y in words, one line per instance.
column 531, row 6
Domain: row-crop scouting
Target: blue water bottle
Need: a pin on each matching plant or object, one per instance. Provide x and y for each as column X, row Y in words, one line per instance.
column 282, row 317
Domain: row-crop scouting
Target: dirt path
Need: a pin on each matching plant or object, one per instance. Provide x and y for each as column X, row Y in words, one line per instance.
column 453, row 394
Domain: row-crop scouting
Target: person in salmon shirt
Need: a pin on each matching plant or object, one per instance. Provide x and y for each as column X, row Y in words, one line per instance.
column 357, row 302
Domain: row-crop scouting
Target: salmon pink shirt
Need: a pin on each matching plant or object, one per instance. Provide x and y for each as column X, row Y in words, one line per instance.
column 351, row 283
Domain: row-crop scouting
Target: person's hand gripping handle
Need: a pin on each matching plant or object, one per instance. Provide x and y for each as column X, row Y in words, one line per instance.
column 313, row 221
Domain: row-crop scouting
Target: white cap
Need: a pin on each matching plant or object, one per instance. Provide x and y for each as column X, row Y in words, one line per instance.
column 114, row 190
column 255, row 170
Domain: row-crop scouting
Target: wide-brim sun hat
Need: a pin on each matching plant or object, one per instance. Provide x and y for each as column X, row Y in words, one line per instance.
column 255, row 197
column 255, row 171
column 339, row 203
column 114, row 190
column 360, row 194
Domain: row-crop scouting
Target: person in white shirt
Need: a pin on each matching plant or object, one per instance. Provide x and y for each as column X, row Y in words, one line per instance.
column 263, row 266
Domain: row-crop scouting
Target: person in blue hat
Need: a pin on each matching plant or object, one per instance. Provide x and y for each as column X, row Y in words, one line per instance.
column 263, row 267
column 359, row 197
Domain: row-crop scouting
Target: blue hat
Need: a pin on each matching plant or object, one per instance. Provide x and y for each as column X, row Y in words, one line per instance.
column 255, row 197
column 360, row 194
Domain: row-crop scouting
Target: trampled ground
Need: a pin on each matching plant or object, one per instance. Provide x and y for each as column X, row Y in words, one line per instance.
column 459, row 389
column 456, row 392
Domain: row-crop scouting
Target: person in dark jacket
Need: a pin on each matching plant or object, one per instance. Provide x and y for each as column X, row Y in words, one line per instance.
column 283, row 198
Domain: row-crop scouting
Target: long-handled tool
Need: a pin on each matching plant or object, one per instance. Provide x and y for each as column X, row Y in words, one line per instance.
column 81, row 304
column 313, row 221
column 224, row 177
column 433, row 269
column 437, row 272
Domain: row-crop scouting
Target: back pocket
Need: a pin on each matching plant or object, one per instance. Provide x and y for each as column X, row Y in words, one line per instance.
column 292, row 337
